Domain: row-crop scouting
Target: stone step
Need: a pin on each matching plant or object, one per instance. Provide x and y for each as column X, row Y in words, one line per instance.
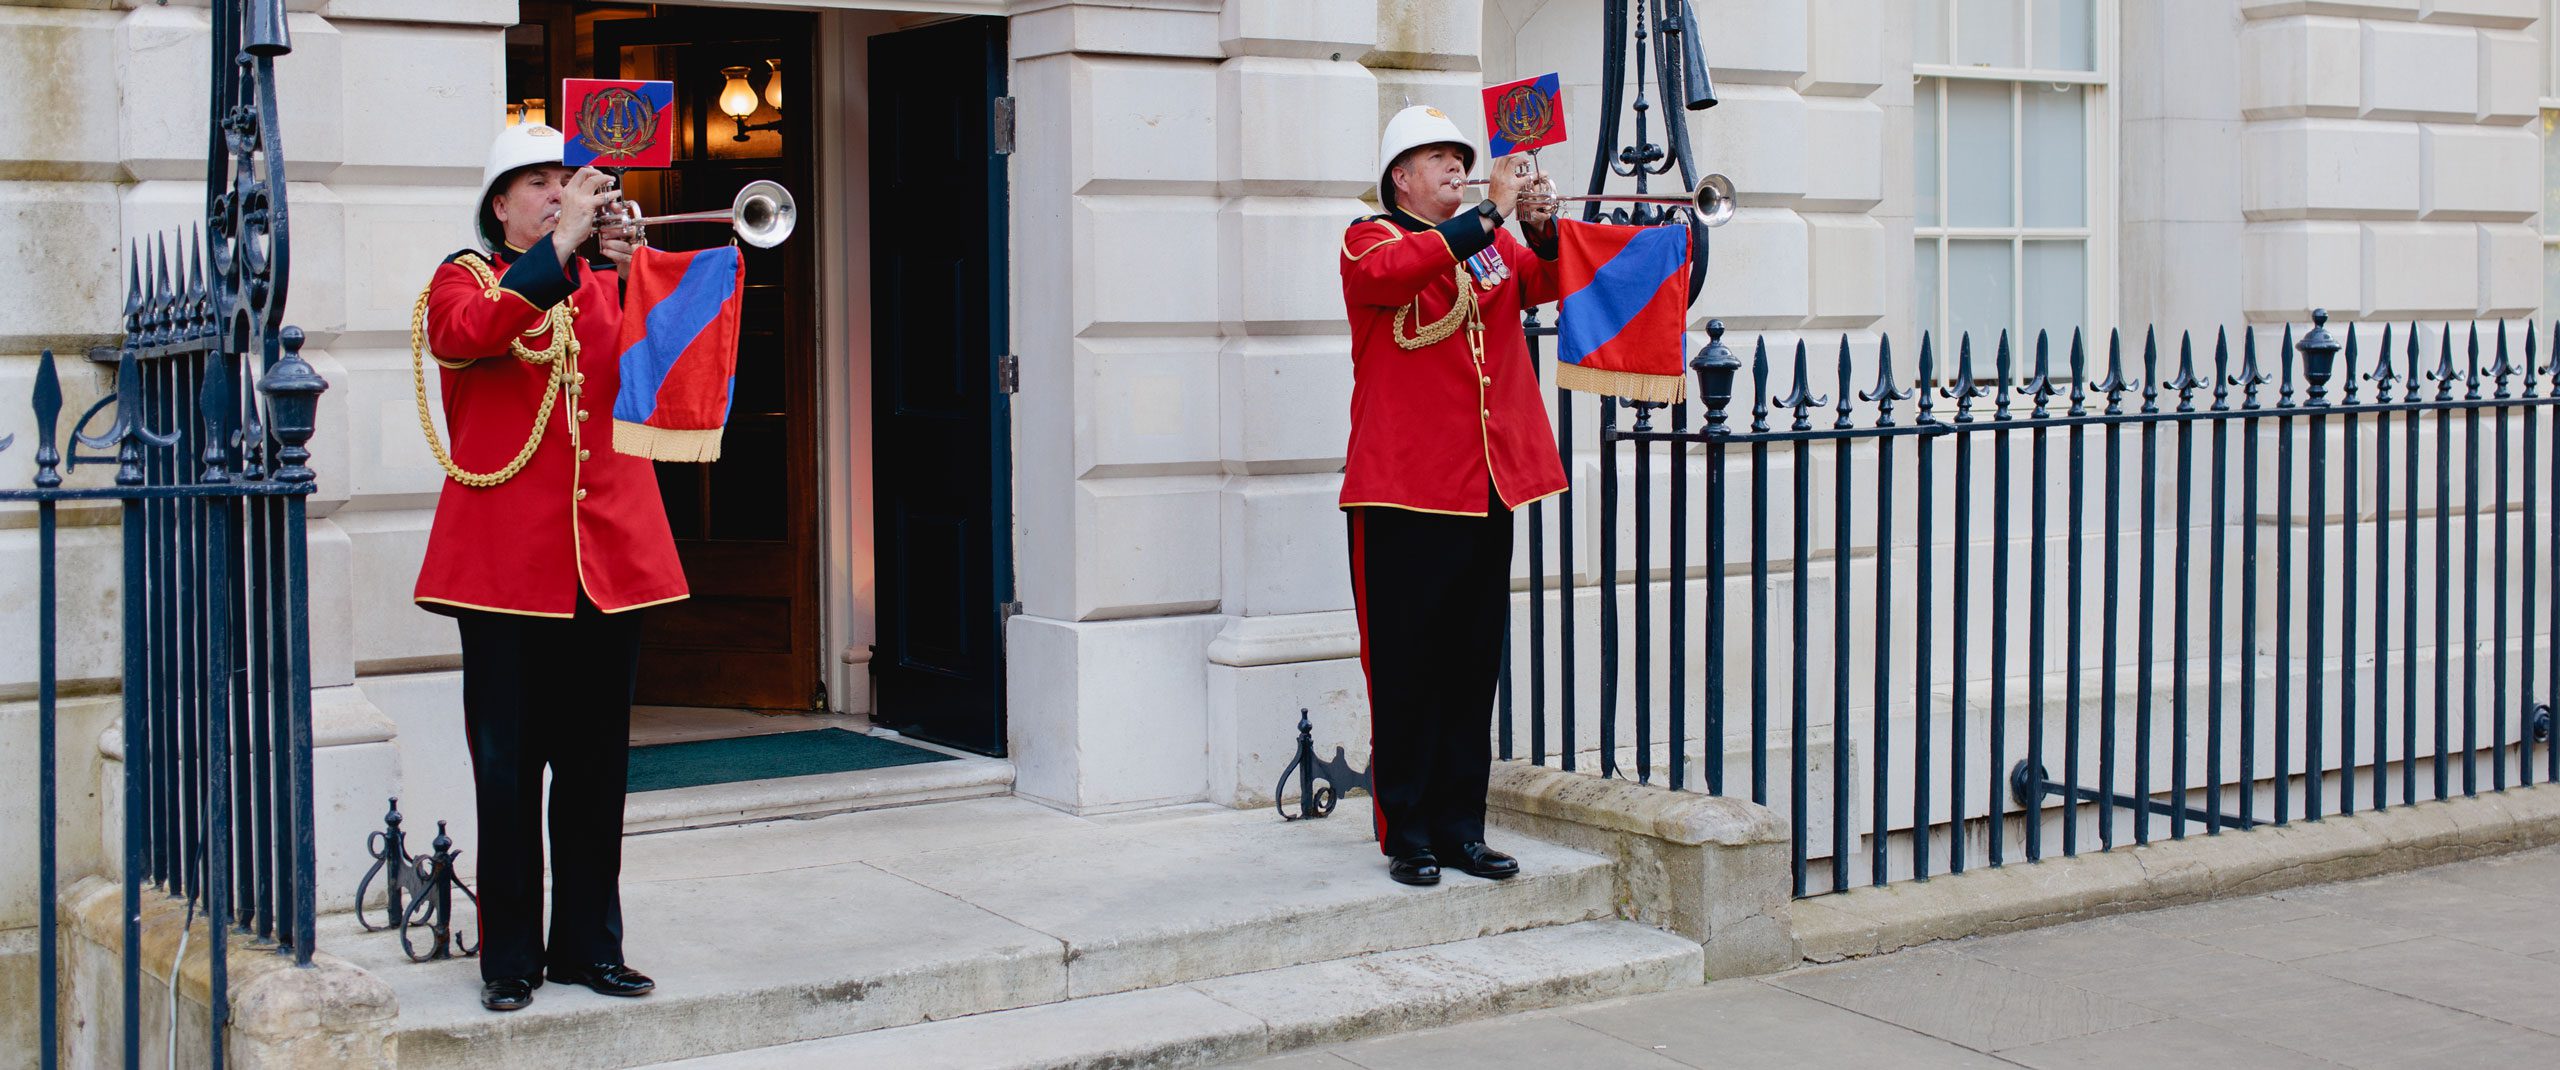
column 968, row 776
column 1248, row 1015
column 788, row 931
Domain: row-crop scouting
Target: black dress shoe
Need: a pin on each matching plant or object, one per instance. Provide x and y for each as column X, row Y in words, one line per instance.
column 1475, row 859
column 1415, row 867
column 512, row 994
column 606, row 979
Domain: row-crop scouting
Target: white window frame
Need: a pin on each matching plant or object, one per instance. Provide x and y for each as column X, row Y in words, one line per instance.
column 2100, row 140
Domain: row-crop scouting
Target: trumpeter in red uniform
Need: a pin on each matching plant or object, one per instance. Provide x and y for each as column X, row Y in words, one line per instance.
column 1447, row 437
column 545, row 543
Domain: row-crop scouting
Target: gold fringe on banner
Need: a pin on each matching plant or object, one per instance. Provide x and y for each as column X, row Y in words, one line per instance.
column 1631, row 386
column 664, row 444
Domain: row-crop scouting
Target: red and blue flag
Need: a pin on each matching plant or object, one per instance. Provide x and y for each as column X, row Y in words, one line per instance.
column 610, row 123
column 679, row 353
column 1626, row 302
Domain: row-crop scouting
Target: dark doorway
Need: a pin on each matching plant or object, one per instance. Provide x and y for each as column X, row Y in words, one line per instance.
column 745, row 525
column 942, row 479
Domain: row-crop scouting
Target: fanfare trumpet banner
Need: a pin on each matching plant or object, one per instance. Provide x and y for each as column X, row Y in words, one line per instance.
column 679, row 353
column 1626, row 302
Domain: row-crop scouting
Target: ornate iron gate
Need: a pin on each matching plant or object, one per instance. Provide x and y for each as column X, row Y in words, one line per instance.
column 206, row 431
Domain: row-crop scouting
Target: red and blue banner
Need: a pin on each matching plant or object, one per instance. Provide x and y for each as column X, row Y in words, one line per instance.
column 679, row 353
column 609, row 123
column 1626, row 302
column 1523, row 115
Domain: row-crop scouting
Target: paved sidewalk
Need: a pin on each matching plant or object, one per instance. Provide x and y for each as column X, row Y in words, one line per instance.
column 2457, row 966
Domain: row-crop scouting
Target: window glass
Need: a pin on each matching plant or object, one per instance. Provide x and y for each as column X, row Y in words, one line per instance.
column 1924, row 282
column 1929, row 43
column 2057, row 287
column 1979, row 285
column 1978, row 143
column 1987, row 32
column 2065, row 35
column 1924, row 142
column 2056, row 173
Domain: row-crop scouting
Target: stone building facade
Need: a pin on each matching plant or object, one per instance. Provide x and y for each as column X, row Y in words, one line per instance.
column 1183, row 172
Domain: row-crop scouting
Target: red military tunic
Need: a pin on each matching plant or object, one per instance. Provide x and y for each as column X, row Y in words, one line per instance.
column 578, row 515
column 1431, row 423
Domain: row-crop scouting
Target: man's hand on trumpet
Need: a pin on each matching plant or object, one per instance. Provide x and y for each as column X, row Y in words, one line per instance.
column 1520, row 191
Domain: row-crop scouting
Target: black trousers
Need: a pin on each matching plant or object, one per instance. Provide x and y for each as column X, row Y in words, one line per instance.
column 1433, row 593
column 549, row 692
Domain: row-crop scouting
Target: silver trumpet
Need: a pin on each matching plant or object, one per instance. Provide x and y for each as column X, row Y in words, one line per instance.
column 1712, row 200
column 763, row 215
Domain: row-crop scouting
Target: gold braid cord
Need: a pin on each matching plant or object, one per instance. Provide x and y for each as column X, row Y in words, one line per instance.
column 560, row 355
column 1462, row 313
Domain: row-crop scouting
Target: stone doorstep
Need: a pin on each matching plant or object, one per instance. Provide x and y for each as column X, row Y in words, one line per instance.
column 788, row 931
column 1248, row 1015
column 743, row 802
column 2173, row 872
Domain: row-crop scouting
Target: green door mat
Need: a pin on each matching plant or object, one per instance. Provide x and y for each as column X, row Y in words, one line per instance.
column 786, row 754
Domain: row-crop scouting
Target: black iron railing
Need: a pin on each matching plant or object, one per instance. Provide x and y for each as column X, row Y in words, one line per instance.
column 2058, row 728
column 207, row 432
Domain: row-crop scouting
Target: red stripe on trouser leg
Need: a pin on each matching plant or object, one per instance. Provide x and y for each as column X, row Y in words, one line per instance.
column 1360, row 612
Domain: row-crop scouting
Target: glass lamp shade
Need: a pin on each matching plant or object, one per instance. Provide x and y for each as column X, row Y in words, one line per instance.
column 515, row 114
column 773, row 84
column 535, row 112
column 737, row 99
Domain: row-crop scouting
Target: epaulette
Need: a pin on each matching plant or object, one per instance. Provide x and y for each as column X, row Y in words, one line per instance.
column 1371, row 218
column 459, row 254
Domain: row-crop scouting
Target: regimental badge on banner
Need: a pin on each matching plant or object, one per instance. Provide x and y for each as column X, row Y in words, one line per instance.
column 1524, row 115
column 608, row 123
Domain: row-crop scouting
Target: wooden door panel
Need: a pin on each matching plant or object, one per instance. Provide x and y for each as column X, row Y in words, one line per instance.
column 943, row 512
column 745, row 525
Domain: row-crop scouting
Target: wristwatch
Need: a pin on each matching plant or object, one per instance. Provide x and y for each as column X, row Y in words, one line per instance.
column 1491, row 214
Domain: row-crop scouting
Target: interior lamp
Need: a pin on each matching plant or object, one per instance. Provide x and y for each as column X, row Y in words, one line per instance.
column 738, row 101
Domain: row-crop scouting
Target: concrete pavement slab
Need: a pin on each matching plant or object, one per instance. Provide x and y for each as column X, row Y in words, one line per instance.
column 2202, row 918
column 2364, row 1027
column 2448, row 972
column 1953, row 996
column 1304, row 1060
column 2429, row 903
column 2475, row 1043
column 1535, row 1040
column 2094, row 947
column 2151, row 1045
column 1751, row 1025
column 2534, row 875
column 2208, row 984
column 1231, row 893
column 2302, row 938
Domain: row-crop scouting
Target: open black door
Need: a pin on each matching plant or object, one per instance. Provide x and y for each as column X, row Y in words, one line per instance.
column 944, row 562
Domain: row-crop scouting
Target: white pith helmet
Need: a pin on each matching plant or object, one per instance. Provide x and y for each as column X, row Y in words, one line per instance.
column 516, row 146
column 1411, row 129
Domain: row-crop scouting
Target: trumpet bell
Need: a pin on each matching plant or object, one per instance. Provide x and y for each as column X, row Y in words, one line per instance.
column 764, row 214
column 1714, row 200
